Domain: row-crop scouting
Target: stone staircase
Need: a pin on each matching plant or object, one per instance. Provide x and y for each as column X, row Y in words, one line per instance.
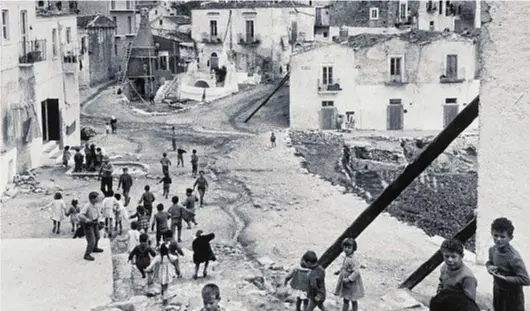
column 50, row 153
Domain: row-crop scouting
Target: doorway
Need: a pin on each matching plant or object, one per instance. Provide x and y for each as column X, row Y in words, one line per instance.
column 450, row 112
column 51, row 120
column 214, row 61
column 328, row 113
column 394, row 118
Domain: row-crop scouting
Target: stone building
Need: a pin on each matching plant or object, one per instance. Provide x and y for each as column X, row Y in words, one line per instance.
column 97, row 49
column 411, row 81
column 40, row 87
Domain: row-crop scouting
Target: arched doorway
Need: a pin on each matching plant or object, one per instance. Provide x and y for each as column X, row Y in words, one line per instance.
column 214, row 61
column 201, row 83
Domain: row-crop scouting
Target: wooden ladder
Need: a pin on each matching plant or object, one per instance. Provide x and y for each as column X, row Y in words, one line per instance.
column 125, row 65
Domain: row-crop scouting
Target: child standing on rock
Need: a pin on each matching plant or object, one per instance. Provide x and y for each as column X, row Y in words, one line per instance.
column 202, row 252
column 507, row 267
column 58, row 211
column 73, row 212
column 350, row 284
column 164, row 273
column 299, row 278
column 141, row 255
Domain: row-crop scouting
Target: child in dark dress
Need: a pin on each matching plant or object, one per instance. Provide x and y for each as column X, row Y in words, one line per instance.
column 166, row 180
column 507, row 268
column 317, row 285
column 455, row 275
column 142, row 252
column 202, row 252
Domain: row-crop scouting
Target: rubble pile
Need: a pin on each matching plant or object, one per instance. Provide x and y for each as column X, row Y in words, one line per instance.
column 87, row 133
column 313, row 137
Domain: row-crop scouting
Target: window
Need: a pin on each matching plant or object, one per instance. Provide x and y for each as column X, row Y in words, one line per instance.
column 40, row 4
column 68, row 34
column 115, row 19
column 213, row 28
column 112, row 4
column 431, row 25
column 325, row 34
column 128, row 4
column 129, row 24
column 160, row 22
column 328, row 103
column 396, row 64
column 5, row 24
column 54, row 42
column 327, row 75
column 23, row 24
column 374, row 13
column 116, row 49
column 403, row 11
column 156, row 12
column 249, row 27
column 450, row 101
column 447, row 8
column 451, row 69
column 83, row 45
column 440, row 7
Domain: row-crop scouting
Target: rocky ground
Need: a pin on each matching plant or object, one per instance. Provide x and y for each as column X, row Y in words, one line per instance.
column 264, row 206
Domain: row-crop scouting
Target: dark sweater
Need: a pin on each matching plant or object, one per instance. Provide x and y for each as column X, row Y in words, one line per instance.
column 142, row 253
column 511, row 265
column 461, row 280
column 125, row 181
column 317, row 285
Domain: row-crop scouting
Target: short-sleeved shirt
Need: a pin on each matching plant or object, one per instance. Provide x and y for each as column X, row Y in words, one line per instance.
column 161, row 220
column 165, row 161
column 175, row 211
column 90, row 211
column 148, row 198
column 189, row 203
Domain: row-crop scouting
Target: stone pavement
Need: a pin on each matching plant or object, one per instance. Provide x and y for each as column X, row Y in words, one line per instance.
column 50, row 274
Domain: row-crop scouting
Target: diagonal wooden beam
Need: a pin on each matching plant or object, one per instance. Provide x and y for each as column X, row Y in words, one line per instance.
column 282, row 82
column 432, row 263
column 413, row 170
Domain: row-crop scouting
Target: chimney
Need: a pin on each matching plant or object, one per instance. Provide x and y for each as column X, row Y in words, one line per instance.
column 478, row 14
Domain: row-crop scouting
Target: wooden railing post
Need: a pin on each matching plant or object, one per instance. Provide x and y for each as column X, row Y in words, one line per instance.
column 413, row 170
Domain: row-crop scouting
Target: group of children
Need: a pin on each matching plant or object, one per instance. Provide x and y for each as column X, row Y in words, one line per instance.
column 457, row 287
column 91, row 161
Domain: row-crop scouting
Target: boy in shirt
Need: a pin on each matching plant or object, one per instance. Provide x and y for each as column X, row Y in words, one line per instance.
column 160, row 220
column 455, row 275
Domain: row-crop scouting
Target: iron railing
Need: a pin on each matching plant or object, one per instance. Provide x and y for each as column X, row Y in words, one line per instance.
column 32, row 51
column 334, row 86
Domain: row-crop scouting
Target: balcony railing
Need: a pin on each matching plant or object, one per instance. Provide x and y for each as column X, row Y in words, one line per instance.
column 450, row 76
column 70, row 62
column 32, row 51
column 245, row 39
column 207, row 38
column 431, row 7
column 329, row 88
column 57, row 8
column 397, row 80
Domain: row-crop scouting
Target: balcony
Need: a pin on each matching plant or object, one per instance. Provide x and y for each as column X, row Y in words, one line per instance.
column 31, row 52
column 70, row 62
column 396, row 80
column 431, row 7
column 56, row 8
column 329, row 88
column 207, row 38
column 453, row 77
column 248, row 40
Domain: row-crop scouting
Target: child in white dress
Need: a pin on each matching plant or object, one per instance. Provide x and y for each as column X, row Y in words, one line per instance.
column 165, row 270
column 109, row 205
column 58, row 211
column 133, row 237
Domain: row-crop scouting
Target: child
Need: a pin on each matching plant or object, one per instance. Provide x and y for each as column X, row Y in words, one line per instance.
column 141, row 254
column 108, row 211
column 165, row 164
column 113, row 124
column 180, row 157
column 125, row 183
column 58, row 212
column 202, row 185
column 167, row 181
column 174, row 249
column 177, row 213
column 120, row 213
column 350, row 284
column 507, row 267
column 211, row 296
column 455, row 275
column 107, row 127
column 317, row 286
column 202, row 252
column 66, row 156
column 78, row 160
column 73, row 212
column 189, row 203
column 450, row 300
column 133, row 238
column 98, row 156
column 142, row 218
column 174, row 138
column 194, row 163
column 273, row 140
column 147, row 199
column 299, row 278
column 164, row 272
column 160, row 219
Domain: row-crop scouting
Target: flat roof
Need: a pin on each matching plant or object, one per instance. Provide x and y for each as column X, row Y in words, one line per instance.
column 51, row 274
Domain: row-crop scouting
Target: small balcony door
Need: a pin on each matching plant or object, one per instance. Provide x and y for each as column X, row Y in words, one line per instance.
column 24, row 31
column 249, row 27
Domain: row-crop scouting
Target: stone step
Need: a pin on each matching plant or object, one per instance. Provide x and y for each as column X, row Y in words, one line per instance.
column 49, row 146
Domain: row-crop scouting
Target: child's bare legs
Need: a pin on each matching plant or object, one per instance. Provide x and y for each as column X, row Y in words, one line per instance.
column 74, row 227
column 201, row 196
column 205, row 271
column 163, row 291
column 58, row 227
column 177, row 269
column 197, row 265
column 54, row 226
column 313, row 304
column 346, row 305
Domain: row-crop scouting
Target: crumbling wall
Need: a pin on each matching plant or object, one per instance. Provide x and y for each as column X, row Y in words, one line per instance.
column 101, row 50
column 357, row 13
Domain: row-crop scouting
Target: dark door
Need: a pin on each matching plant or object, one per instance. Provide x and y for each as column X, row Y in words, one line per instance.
column 395, row 115
column 51, row 120
column 450, row 112
column 214, row 61
column 327, row 118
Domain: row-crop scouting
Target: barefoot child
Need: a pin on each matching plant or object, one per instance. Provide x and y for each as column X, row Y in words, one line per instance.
column 66, row 156
column 507, row 267
column 125, row 183
column 133, row 237
column 189, row 203
column 176, row 212
column 350, row 284
column 202, row 185
column 164, row 273
column 202, row 252
column 180, row 156
column 167, row 182
column 299, row 278
column 109, row 206
column 455, row 275
column 160, row 220
column 147, row 200
column 120, row 213
column 73, row 212
column 165, row 164
column 273, row 140
column 141, row 254
column 317, row 285
column 211, row 296
column 58, row 211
